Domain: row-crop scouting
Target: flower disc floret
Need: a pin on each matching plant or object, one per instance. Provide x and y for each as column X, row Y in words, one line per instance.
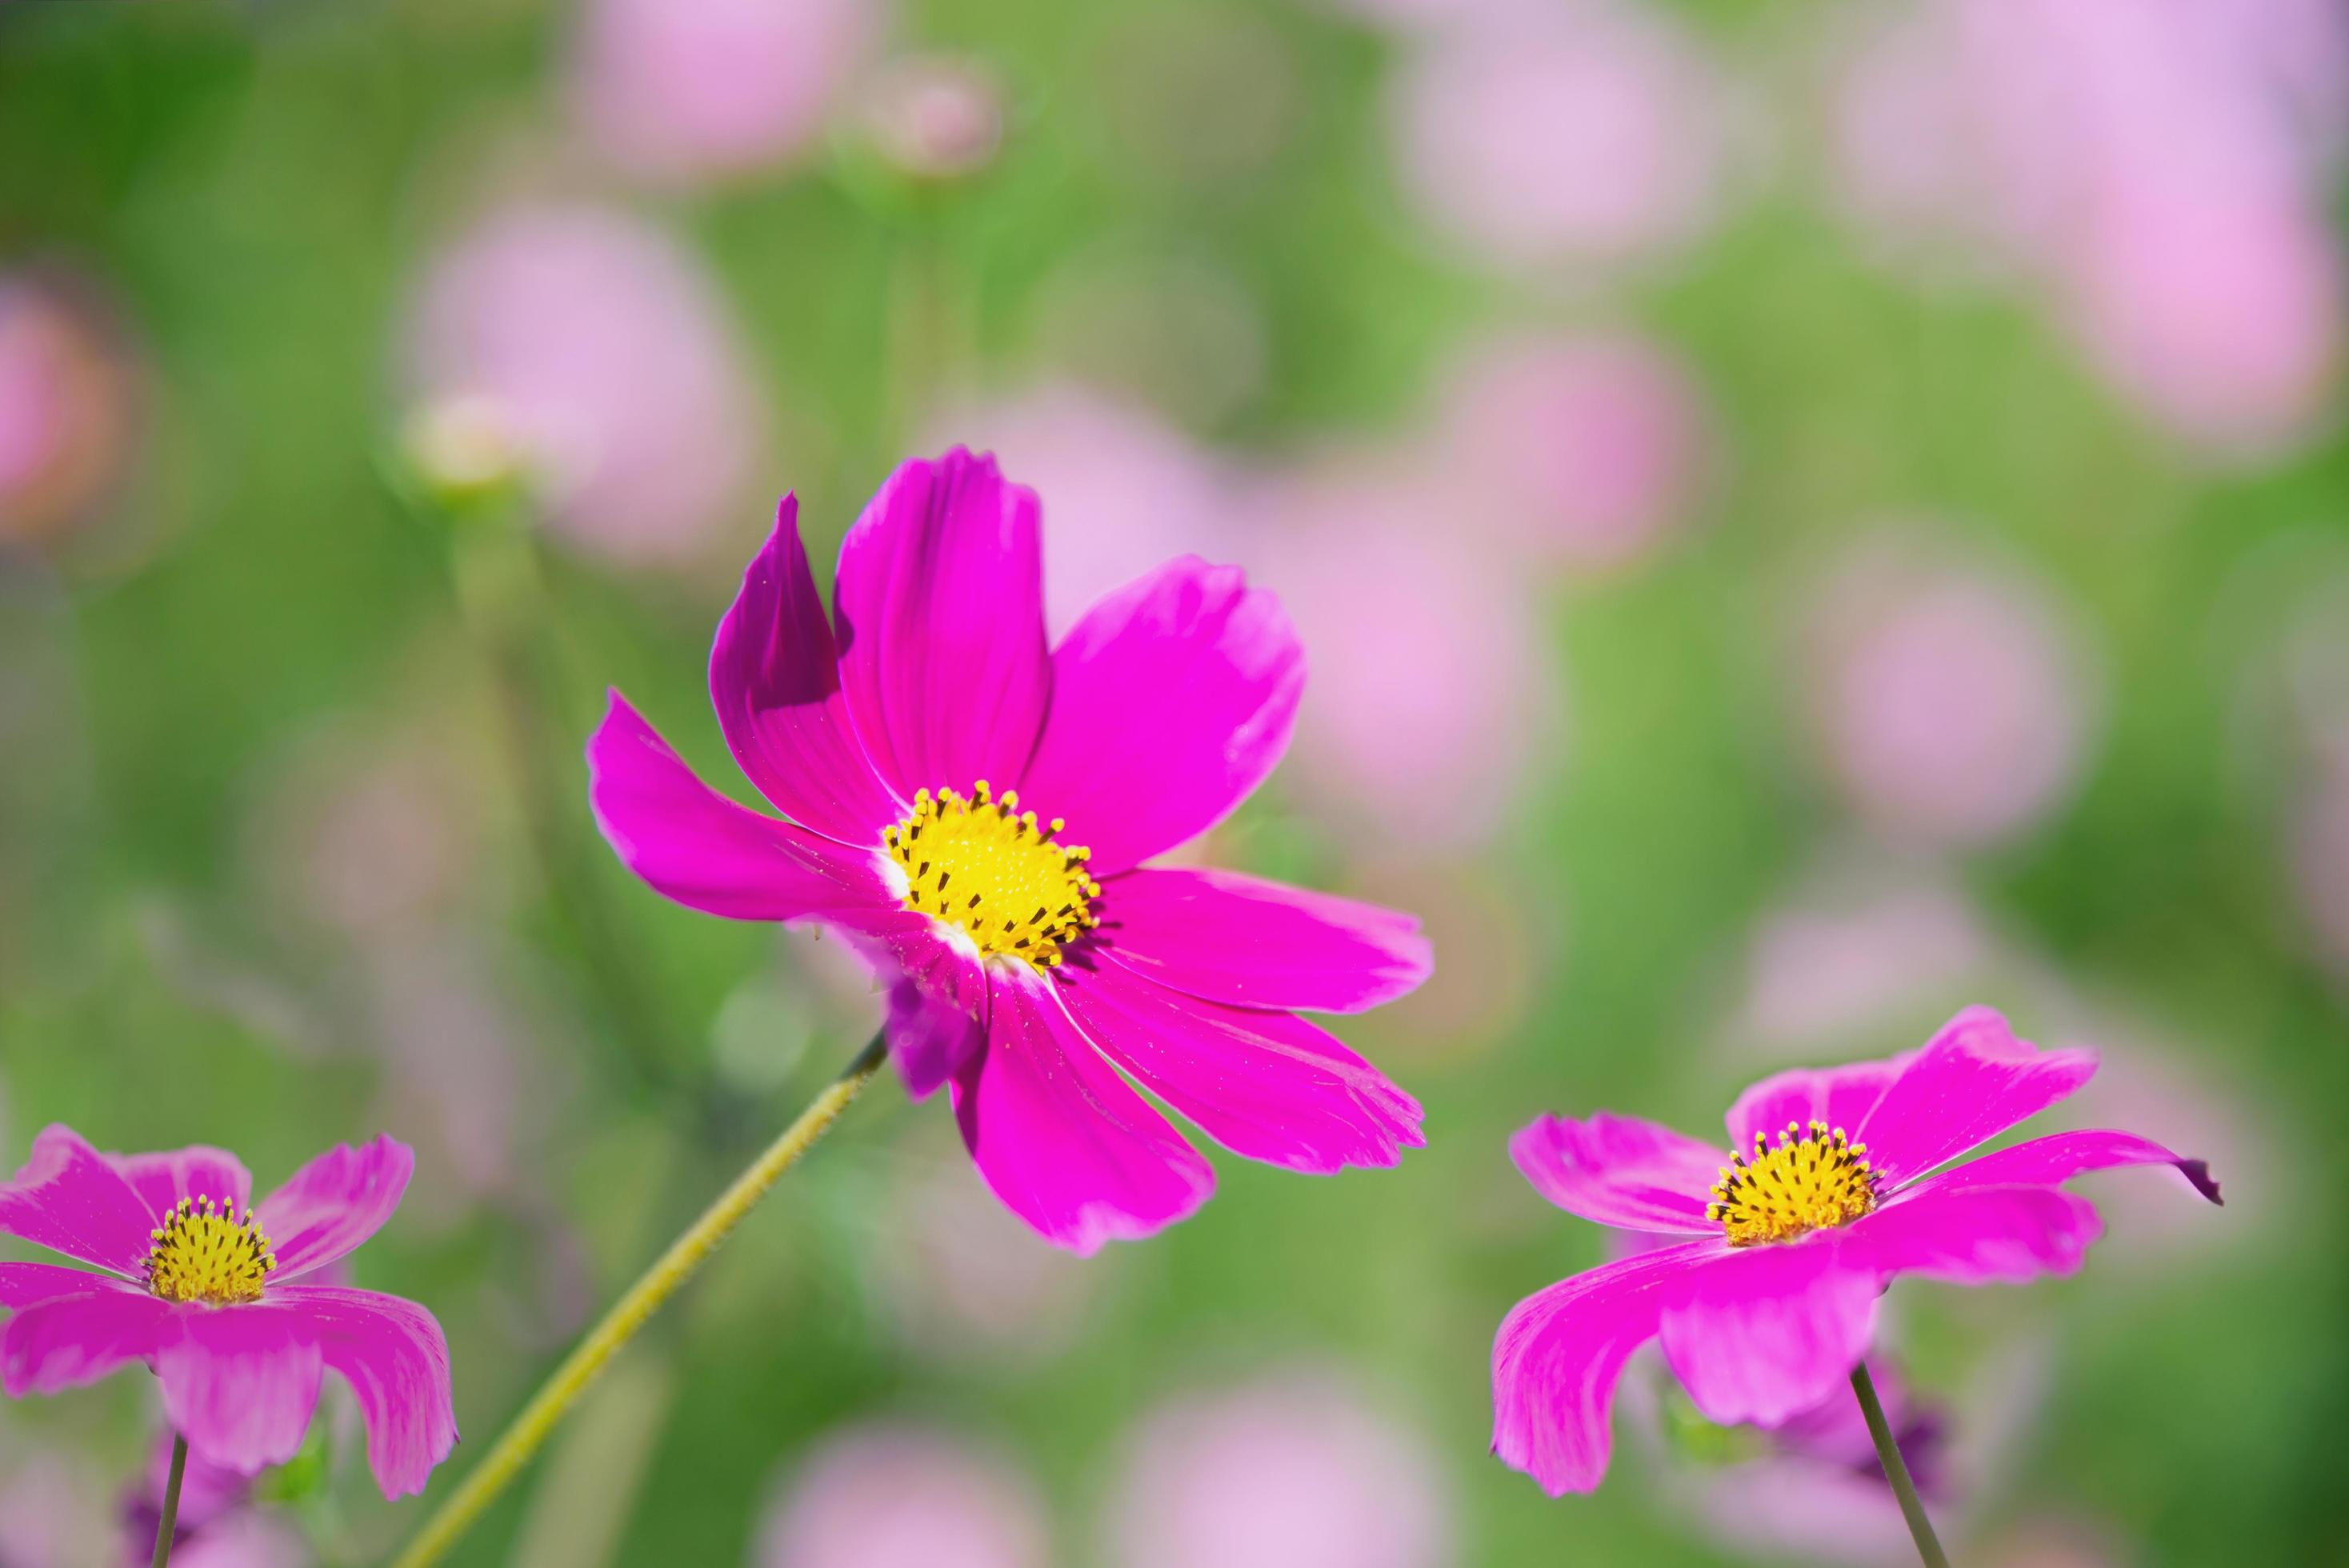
column 204, row 1253
column 1815, row 1178
column 981, row 866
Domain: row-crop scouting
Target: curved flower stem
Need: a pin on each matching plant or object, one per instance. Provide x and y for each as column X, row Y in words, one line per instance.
column 167, row 1525
column 528, row 1431
column 1896, row 1470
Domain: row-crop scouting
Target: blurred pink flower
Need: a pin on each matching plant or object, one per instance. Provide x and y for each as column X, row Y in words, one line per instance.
column 933, row 117
column 683, row 90
column 966, row 1283
column 1123, row 491
column 2161, row 166
column 453, row 1067
column 1294, row 1470
column 1952, row 702
column 1433, row 698
column 68, row 408
column 1589, row 132
column 887, row 1495
column 1586, row 450
column 371, row 835
column 1854, row 948
column 218, row 1527
column 51, row 1512
column 602, row 350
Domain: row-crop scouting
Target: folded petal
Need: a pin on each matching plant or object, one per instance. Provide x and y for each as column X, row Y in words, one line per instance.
column 775, row 680
column 393, row 1356
column 1253, row 944
column 22, row 1285
column 70, row 1199
column 195, row 1172
column 940, row 601
column 2059, row 1157
column 239, row 1382
column 1977, row 1235
column 702, row 849
column 1840, row 1097
column 1761, row 1333
column 1267, row 1085
column 1620, row 1171
column 1059, row 1136
column 1972, row 1082
column 1558, row 1358
column 335, row 1203
column 1172, row 700
column 79, row 1337
column 937, row 1008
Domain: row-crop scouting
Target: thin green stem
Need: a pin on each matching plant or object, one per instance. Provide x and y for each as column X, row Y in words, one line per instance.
column 1896, row 1470
column 168, row 1524
column 529, row 1430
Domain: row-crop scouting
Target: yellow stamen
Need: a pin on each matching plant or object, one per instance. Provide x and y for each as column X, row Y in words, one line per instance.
column 985, row 867
column 1813, row 1180
column 204, row 1253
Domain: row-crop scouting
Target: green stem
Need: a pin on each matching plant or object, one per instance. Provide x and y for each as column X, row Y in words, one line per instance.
column 1896, row 1471
column 529, row 1430
column 168, row 1524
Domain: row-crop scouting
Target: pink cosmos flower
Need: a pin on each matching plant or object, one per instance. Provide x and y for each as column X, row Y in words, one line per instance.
column 201, row 1283
column 1773, row 1305
column 973, row 810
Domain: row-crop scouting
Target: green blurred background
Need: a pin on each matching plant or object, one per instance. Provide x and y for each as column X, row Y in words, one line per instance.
column 1805, row 515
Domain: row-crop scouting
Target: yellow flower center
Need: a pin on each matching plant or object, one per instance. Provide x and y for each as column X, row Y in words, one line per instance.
column 984, row 867
column 204, row 1253
column 1811, row 1181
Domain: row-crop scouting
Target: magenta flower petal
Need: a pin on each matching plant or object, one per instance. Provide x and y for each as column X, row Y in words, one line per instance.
column 938, row 1004
column 1059, row 1136
column 70, row 1199
column 940, row 604
column 1761, row 1333
column 702, row 849
column 775, row 680
column 1172, row 700
column 335, row 1203
column 1269, row 1086
column 197, row 1172
column 1559, row 1356
column 78, row 1338
column 1840, row 1097
column 1619, row 1171
column 2059, row 1157
column 394, row 1359
column 1972, row 1082
column 1253, row 944
column 1978, row 1235
column 22, row 1285
column 239, row 1384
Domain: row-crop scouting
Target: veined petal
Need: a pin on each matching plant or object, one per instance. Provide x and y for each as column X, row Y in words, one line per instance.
column 1761, row 1333
column 775, row 680
column 1172, row 700
column 698, row 847
column 1267, row 1085
column 1253, row 944
column 70, row 1199
column 2059, row 1157
column 1619, row 1171
column 1559, row 1356
column 1976, row 1235
column 238, row 1382
column 196, row 1172
column 940, row 604
column 1840, row 1097
column 336, row 1201
column 1059, row 1136
column 396, row 1360
column 1972, row 1082
column 70, row 1339
column 23, row 1285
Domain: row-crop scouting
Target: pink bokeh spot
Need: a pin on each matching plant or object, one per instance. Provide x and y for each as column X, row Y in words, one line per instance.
column 898, row 1495
column 598, row 344
column 1293, row 1470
